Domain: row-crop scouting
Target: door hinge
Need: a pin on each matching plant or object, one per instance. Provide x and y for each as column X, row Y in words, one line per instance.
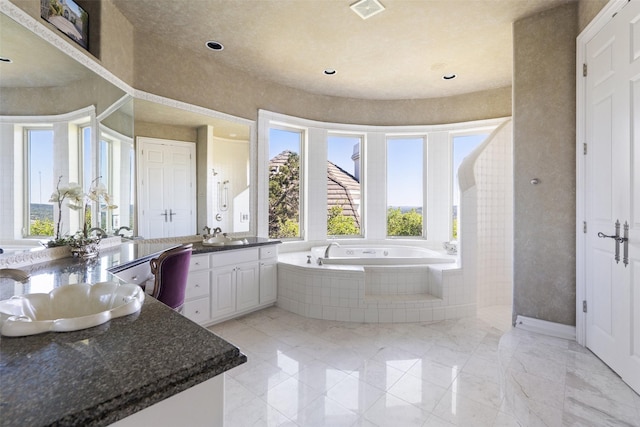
column 584, row 148
column 584, row 70
column 584, row 306
column 584, row 226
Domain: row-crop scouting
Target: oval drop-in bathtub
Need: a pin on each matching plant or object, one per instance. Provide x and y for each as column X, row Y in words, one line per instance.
column 389, row 255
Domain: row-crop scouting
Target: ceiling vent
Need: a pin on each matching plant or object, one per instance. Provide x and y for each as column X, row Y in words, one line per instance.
column 367, row 8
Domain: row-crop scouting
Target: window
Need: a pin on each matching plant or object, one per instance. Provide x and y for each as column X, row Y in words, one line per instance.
column 105, row 178
column 404, row 186
column 285, row 160
column 463, row 145
column 40, row 181
column 344, row 186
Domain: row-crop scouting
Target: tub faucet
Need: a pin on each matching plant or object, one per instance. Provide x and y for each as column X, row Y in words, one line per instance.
column 326, row 251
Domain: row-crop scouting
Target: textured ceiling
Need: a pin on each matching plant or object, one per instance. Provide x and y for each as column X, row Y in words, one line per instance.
column 400, row 53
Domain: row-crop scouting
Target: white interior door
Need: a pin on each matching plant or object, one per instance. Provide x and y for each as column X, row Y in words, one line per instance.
column 166, row 188
column 612, row 194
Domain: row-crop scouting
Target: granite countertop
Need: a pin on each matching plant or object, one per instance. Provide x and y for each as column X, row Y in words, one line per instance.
column 97, row 376
column 199, row 248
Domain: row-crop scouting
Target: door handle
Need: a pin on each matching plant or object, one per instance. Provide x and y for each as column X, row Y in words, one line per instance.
column 171, row 214
column 625, row 239
column 165, row 215
column 619, row 240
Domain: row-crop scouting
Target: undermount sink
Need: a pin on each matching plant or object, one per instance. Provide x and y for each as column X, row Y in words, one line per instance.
column 223, row 241
column 69, row 308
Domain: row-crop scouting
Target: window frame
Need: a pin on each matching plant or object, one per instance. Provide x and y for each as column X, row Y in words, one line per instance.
column 424, row 186
column 362, row 181
column 26, row 202
column 303, row 133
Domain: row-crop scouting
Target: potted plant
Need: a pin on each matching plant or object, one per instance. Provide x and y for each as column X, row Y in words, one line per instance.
column 82, row 243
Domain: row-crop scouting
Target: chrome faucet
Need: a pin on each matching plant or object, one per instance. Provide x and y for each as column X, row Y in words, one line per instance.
column 124, row 227
column 217, row 231
column 99, row 231
column 326, row 251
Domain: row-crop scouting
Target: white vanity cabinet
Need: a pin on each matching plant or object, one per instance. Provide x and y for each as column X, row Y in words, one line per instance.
column 268, row 274
column 235, row 285
column 197, row 295
column 226, row 284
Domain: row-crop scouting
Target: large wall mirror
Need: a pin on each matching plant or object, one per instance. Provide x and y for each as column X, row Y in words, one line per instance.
column 60, row 118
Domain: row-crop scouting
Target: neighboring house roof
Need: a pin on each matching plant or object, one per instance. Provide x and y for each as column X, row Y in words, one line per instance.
column 343, row 189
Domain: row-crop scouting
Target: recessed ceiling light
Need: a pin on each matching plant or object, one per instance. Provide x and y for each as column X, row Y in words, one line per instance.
column 449, row 76
column 329, row 71
column 213, row 45
column 5, row 60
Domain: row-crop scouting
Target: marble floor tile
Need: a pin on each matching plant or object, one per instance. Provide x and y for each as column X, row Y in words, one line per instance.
column 355, row 394
column 469, row 372
column 390, row 411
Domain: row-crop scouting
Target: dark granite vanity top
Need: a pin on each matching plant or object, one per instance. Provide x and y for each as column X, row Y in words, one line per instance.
column 97, row 376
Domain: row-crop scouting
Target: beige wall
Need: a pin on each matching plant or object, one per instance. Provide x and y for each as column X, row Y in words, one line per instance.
column 544, row 148
column 587, row 10
column 198, row 79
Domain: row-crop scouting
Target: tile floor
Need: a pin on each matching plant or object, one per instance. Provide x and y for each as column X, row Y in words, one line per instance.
column 468, row 372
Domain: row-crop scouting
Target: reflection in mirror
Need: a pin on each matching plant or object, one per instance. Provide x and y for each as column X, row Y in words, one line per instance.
column 224, row 154
column 46, row 93
column 116, row 167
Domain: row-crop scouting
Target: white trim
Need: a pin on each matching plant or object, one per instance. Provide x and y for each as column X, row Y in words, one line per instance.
column 168, row 102
column 587, row 34
column 71, row 116
column 544, row 327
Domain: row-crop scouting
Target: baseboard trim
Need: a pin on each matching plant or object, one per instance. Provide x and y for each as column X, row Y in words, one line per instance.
column 546, row 328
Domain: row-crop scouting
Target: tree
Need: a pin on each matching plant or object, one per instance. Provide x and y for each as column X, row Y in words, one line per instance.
column 339, row 224
column 284, row 198
column 403, row 224
column 41, row 227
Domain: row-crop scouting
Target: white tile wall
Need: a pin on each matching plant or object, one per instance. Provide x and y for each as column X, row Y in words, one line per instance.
column 376, row 295
column 494, row 248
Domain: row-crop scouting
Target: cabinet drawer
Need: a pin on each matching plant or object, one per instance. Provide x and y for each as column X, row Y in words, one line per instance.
column 197, row 284
column 197, row 310
column 220, row 259
column 137, row 274
column 199, row 262
column 270, row 251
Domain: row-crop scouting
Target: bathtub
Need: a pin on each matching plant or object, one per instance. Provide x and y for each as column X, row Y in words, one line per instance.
column 389, row 255
column 374, row 284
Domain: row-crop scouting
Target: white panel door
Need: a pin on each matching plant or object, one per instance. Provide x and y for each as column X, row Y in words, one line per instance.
column 612, row 194
column 167, row 199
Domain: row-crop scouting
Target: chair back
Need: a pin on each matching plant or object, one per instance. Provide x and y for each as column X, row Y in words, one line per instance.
column 171, row 269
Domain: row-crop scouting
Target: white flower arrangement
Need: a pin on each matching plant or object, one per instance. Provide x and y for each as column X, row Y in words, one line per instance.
column 78, row 200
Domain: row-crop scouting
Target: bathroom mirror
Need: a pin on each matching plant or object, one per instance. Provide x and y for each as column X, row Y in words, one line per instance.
column 224, row 153
column 42, row 81
column 89, row 123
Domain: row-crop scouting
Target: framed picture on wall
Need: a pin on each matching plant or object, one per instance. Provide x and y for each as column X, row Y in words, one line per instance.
column 67, row 17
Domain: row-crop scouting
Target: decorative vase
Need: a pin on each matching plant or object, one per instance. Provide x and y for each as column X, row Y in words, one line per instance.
column 87, row 251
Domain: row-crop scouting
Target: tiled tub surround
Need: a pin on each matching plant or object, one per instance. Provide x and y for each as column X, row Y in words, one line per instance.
column 373, row 294
column 100, row 375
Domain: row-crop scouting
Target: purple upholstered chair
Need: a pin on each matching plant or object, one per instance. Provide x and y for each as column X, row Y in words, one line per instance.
column 171, row 269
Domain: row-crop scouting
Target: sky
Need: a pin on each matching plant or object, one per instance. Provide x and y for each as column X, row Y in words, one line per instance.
column 41, row 173
column 404, row 161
